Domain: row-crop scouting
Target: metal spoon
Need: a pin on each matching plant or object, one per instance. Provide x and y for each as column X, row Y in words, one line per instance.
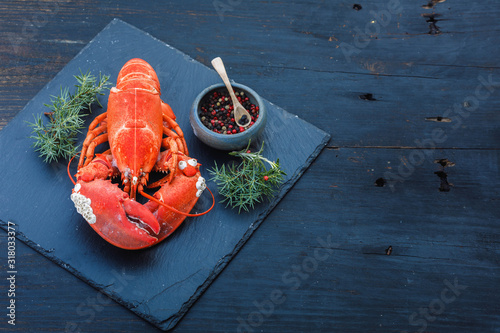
column 241, row 115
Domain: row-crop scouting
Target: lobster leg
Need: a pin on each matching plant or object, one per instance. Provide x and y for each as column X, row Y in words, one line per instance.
column 167, row 163
column 91, row 134
column 178, row 134
column 171, row 134
column 91, row 148
column 167, row 110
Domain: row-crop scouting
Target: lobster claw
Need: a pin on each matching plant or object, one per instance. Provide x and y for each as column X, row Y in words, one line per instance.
column 118, row 219
column 182, row 193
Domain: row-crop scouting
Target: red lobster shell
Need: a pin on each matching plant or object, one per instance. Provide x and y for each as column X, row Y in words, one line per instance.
column 143, row 137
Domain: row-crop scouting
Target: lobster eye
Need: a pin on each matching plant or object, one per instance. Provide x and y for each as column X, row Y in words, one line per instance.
column 192, row 162
column 182, row 165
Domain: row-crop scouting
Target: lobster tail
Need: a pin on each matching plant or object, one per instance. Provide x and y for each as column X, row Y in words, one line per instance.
column 138, row 74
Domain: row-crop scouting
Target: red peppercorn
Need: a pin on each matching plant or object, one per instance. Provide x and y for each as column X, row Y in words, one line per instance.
column 249, row 151
column 242, row 129
column 233, row 131
column 266, row 178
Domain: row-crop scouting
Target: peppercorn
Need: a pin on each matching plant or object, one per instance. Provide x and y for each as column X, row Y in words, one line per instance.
column 243, row 119
column 217, row 112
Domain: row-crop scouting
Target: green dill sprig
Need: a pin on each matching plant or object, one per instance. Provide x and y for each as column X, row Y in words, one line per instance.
column 247, row 183
column 57, row 138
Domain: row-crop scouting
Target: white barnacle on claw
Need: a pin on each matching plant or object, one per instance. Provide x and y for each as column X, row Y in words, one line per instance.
column 82, row 205
column 200, row 186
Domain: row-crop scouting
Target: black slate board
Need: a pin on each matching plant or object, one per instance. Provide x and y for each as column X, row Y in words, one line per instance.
column 160, row 283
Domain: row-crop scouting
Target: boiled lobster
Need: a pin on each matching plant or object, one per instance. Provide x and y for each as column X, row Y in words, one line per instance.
column 143, row 137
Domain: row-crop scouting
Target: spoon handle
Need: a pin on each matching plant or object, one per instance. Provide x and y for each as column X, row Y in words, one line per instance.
column 219, row 67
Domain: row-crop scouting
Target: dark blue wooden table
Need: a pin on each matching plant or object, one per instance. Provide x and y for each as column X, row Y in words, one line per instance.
column 394, row 228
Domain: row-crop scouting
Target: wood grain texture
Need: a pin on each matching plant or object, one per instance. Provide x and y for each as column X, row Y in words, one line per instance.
column 294, row 54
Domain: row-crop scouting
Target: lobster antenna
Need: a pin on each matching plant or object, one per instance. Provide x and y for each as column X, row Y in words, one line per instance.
column 175, row 210
column 69, row 173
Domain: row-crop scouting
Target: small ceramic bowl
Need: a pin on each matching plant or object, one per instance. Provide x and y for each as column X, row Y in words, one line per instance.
column 227, row 141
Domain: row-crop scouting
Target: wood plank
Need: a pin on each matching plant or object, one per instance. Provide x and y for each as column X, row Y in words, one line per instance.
column 402, row 81
column 435, row 236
